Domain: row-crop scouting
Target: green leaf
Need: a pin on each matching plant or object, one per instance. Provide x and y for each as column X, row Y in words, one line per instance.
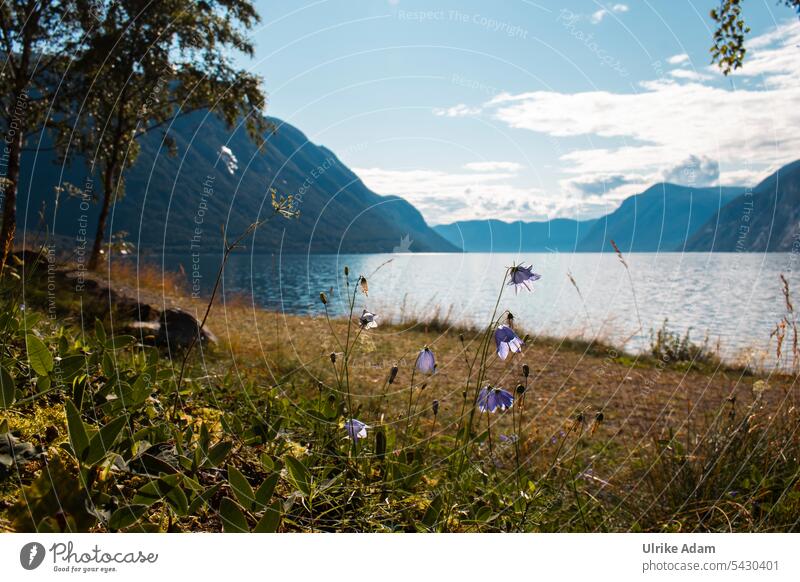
column 8, row 389
column 203, row 499
column 99, row 331
column 218, row 453
column 233, row 520
column 432, row 513
column 120, row 342
column 39, row 357
column 264, row 493
column 77, row 432
column 101, row 443
column 270, row 520
column 126, row 516
column 241, row 488
column 301, row 478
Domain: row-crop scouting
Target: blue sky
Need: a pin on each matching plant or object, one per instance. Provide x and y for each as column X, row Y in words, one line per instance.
column 530, row 110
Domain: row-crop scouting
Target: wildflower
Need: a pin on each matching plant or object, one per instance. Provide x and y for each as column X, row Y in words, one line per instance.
column 356, row 429
column 426, row 363
column 508, row 438
column 490, row 399
column 367, row 320
column 521, row 276
column 392, row 374
column 506, row 341
column 435, row 407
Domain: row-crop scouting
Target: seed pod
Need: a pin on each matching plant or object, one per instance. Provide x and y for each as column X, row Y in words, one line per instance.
column 364, row 286
column 580, row 418
column 380, row 444
column 435, row 407
column 323, row 297
column 392, row 374
column 333, row 357
column 526, row 370
column 599, row 417
column 521, row 389
column 346, row 271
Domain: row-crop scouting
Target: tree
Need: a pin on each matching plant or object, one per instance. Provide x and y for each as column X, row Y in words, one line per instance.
column 37, row 37
column 147, row 63
column 729, row 51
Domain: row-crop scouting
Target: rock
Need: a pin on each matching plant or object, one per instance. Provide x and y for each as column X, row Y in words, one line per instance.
column 16, row 452
column 177, row 328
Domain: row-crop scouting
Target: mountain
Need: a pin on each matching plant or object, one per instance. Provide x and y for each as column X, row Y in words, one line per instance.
column 662, row 218
column 560, row 234
column 764, row 219
column 181, row 202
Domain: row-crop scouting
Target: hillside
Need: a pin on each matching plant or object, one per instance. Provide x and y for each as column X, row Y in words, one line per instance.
column 560, row 234
column 661, row 218
column 762, row 220
column 168, row 198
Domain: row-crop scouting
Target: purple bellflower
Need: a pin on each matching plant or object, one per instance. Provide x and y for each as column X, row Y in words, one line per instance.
column 490, row 399
column 521, row 276
column 356, row 429
column 426, row 363
column 367, row 320
column 506, row 341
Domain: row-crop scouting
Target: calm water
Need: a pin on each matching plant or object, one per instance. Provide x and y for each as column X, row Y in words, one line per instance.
column 734, row 298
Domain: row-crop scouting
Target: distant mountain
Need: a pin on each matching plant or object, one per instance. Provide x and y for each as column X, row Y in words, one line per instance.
column 662, row 218
column 560, row 234
column 763, row 219
column 169, row 198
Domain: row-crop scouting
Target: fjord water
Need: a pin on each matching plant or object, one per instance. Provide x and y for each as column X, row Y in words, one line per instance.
column 734, row 298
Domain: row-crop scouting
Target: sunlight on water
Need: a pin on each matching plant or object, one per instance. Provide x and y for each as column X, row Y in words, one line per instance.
column 735, row 299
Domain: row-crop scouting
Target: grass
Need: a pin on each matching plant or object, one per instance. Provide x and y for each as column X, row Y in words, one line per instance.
column 597, row 440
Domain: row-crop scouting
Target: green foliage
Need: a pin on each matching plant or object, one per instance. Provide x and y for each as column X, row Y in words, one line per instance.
column 672, row 348
column 728, row 51
column 251, row 456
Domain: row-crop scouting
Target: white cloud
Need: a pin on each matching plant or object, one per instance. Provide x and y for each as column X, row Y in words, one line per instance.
column 694, row 171
column 678, row 59
column 598, row 16
column 652, row 131
column 444, row 197
column 492, row 166
column 460, row 110
column 689, row 75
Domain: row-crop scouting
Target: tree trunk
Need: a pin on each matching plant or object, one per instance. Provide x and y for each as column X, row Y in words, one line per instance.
column 109, row 185
column 10, row 200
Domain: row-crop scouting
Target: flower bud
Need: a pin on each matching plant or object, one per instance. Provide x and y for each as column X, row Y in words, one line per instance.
column 323, row 297
column 392, row 374
column 526, row 370
column 333, row 357
column 599, row 417
column 521, row 389
column 580, row 418
column 346, row 271
column 435, row 407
